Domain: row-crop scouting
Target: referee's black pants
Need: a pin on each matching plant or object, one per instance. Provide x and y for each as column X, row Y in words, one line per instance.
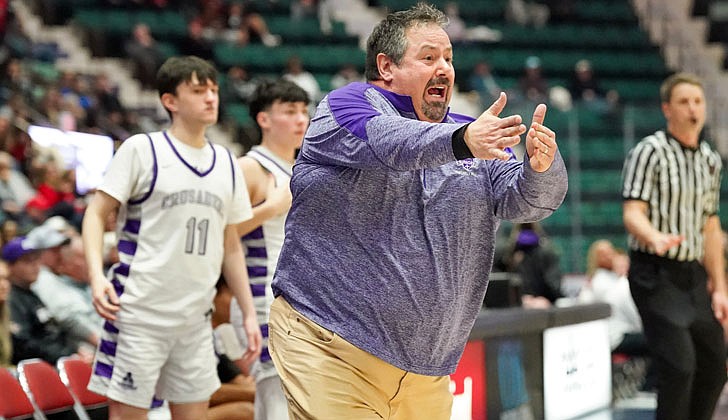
column 685, row 339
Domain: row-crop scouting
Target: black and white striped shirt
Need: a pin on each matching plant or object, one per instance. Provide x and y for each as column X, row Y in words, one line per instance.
column 681, row 186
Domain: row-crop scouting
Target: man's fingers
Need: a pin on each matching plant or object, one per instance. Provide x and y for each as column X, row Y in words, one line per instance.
column 498, row 105
column 113, row 297
column 539, row 114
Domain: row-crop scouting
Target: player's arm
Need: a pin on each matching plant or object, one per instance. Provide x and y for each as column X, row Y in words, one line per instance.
column 269, row 200
column 236, row 277
column 105, row 299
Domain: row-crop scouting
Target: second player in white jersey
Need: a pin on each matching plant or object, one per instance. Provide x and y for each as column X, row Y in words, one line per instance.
column 280, row 110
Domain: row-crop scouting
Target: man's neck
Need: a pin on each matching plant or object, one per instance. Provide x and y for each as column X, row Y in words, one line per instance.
column 190, row 135
column 688, row 138
column 287, row 154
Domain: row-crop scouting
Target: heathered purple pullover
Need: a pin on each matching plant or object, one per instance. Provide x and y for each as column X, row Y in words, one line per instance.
column 390, row 240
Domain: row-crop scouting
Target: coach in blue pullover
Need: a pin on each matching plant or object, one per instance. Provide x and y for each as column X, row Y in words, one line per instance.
column 391, row 235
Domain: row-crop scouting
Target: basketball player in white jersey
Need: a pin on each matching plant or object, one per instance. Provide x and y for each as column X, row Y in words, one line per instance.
column 280, row 108
column 179, row 199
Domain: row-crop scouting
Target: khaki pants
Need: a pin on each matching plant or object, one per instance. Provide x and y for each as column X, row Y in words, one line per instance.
column 326, row 377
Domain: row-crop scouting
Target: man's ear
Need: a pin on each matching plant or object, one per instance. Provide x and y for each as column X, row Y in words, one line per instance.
column 263, row 119
column 169, row 102
column 384, row 64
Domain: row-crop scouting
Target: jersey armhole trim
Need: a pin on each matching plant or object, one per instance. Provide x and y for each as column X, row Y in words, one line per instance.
column 154, row 174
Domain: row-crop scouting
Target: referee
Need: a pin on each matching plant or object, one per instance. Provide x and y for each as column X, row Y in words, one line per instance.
column 671, row 182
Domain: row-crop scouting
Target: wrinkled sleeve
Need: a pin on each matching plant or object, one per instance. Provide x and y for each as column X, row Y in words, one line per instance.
column 522, row 195
column 358, row 128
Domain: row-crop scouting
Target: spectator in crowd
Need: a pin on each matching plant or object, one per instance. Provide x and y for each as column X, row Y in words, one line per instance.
column 532, row 85
column 607, row 282
column 63, row 286
column 296, row 73
column 531, row 255
column 586, row 90
column 458, row 30
column 677, row 272
column 145, row 54
column 55, row 193
column 244, row 24
column 527, row 13
column 381, row 297
column 346, row 74
column 8, row 230
column 15, row 189
column 16, row 81
column 320, row 9
column 483, row 82
column 108, row 112
column 35, row 332
column 239, row 86
column 6, row 343
column 195, row 42
column 279, row 108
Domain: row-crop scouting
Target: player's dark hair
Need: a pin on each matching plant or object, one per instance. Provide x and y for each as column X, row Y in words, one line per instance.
column 269, row 92
column 177, row 70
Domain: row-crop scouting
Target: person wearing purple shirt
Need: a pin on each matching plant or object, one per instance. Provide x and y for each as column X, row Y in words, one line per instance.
column 391, row 234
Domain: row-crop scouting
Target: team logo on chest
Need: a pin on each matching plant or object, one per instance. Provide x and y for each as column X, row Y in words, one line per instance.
column 467, row 165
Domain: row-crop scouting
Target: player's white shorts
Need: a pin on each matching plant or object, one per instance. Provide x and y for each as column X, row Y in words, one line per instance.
column 134, row 364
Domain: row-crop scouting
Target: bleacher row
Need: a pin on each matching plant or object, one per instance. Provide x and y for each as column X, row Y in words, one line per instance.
column 40, row 391
column 606, row 32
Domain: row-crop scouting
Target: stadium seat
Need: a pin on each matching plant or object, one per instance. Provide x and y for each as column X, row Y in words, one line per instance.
column 45, row 389
column 75, row 374
column 14, row 403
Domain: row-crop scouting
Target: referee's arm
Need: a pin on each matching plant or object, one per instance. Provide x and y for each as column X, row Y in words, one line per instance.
column 715, row 266
column 634, row 216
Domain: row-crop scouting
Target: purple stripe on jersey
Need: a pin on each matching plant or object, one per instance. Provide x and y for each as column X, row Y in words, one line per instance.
column 264, row 330
column 257, row 271
column 132, row 226
column 122, row 269
column 265, row 355
column 156, row 402
column 253, row 153
column 109, row 327
column 154, row 174
column 256, row 234
column 118, row 287
column 108, row 347
column 192, row 168
column 127, row 247
column 104, row 370
column 232, row 167
column 257, row 290
column 257, row 252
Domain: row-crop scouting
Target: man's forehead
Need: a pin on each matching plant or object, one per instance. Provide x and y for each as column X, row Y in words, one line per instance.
column 195, row 81
column 427, row 36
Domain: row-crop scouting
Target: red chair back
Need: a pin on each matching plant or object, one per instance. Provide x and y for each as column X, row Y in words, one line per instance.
column 14, row 403
column 76, row 373
column 41, row 381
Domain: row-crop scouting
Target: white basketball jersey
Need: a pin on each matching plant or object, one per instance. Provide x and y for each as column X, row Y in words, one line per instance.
column 262, row 247
column 171, row 238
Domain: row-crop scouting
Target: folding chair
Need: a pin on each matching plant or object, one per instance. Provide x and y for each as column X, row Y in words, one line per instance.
column 14, row 403
column 44, row 387
column 76, row 373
